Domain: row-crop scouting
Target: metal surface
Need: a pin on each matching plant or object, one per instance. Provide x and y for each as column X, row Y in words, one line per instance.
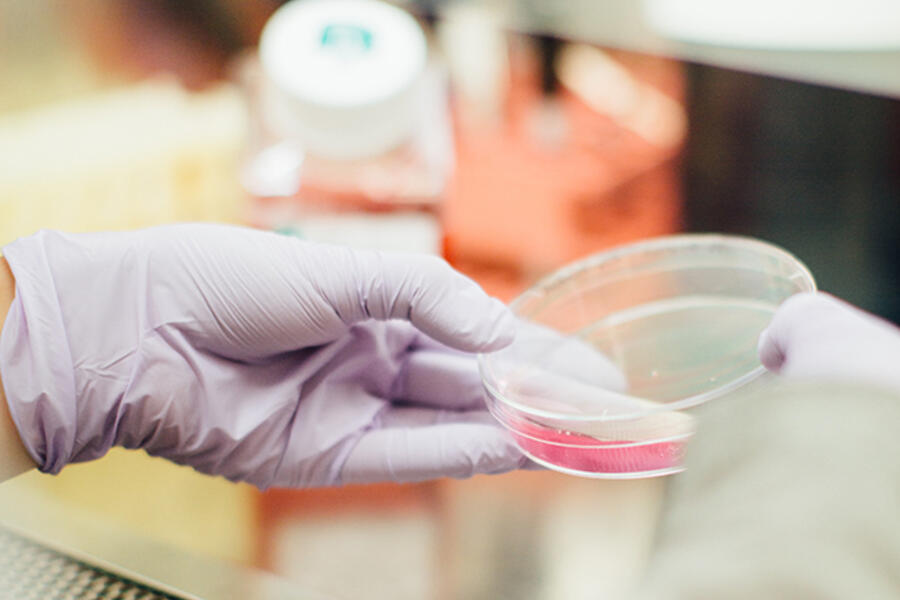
column 29, row 569
column 88, row 541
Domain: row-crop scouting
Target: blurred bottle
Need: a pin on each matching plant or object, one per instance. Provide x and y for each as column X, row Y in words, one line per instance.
column 473, row 45
column 349, row 138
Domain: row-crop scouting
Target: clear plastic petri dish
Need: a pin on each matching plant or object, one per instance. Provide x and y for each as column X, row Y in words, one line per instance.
column 615, row 351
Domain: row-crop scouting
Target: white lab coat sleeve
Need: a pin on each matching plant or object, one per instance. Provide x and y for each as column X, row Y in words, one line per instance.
column 789, row 493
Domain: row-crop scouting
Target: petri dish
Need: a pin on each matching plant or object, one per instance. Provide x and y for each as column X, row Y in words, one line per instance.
column 615, row 352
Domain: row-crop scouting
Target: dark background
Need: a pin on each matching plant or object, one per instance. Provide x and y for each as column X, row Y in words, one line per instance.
column 813, row 169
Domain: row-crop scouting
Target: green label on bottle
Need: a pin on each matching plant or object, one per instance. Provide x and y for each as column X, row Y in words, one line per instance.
column 347, row 40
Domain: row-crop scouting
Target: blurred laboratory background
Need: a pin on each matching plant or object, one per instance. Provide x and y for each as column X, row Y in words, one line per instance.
column 510, row 137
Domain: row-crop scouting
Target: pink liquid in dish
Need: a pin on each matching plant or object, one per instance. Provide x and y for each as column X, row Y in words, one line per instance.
column 588, row 454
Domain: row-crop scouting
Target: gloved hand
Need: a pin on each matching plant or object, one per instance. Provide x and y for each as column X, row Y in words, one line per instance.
column 250, row 355
column 817, row 336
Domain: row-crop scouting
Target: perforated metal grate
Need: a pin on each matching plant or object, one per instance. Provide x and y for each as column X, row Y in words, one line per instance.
column 30, row 571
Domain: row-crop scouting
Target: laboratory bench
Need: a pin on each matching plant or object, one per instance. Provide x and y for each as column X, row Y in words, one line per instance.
column 489, row 538
column 52, row 549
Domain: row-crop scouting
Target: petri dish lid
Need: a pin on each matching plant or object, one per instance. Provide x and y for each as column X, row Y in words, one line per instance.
column 655, row 326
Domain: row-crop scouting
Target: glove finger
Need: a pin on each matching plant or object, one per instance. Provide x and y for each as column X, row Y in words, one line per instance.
column 437, row 375
column 540, row 348
column 410, row 417
column 777, row 339
column 419, row 453
column 818, row 335
column 554, row 351
column 809, row 324
column 425, row 290
column 626, row 418
column 440, row 378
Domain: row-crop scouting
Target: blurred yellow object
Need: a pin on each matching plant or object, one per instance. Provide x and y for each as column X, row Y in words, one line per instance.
column 140, row 156
column 156, row 499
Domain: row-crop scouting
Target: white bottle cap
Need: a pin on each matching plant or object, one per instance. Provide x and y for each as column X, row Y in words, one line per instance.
column 343, row 75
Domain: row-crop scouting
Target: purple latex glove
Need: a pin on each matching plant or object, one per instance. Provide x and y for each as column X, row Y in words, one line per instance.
column 817, row 336
column 250, row 355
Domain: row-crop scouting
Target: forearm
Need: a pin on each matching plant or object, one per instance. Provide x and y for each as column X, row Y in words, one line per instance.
column 791, row 493
column 13, row 457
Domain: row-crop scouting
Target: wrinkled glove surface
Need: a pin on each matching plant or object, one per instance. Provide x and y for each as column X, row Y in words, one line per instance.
column 250, row 355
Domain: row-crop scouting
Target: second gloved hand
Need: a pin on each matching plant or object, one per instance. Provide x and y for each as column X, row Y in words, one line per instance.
column 250, row 355
column 817, row 336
